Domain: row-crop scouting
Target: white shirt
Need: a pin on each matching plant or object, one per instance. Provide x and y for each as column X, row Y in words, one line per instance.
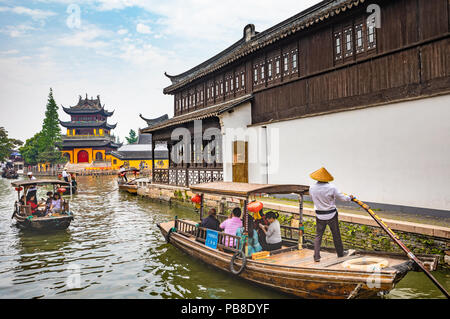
column 324, row 196
column 65, row 174
column 273, row 235
column 33, row 188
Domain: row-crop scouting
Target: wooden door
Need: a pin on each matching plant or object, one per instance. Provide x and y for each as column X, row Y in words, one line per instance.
column 83, row 157
column 240, row 162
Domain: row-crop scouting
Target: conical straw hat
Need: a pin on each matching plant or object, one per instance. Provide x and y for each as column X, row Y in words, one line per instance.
column 322, row 175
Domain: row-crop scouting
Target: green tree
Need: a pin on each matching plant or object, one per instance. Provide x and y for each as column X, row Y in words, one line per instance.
column 30, row 150
column 132, row 138
column 50, row 134
column 7, row 144
column 42, row 147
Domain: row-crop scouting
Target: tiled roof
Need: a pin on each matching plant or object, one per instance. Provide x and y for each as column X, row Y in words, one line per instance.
column 153, row 122
column 101, row 124
column 305, row 19
column 211, row 111
column 88, row 106
column 89, row 143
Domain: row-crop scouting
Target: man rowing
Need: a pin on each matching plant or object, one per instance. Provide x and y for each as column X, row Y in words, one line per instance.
column 324, row 195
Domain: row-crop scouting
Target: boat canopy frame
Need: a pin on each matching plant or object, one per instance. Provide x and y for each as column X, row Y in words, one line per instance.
column 245, row 190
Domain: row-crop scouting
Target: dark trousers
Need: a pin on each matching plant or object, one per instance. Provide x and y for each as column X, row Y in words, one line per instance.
column 321, row 225
column 272, row 247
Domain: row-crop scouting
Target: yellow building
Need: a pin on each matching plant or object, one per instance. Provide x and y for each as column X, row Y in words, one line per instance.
column 88, row 137
column 139, row 155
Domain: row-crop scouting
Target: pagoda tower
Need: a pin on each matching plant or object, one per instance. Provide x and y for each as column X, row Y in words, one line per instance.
column 88, row 136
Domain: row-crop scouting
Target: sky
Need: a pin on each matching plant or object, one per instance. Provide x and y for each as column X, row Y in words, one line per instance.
column 118, row 49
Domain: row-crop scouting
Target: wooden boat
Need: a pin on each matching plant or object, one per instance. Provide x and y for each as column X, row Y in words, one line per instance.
column 22, row 213
column 126, row 185
column 291, row 269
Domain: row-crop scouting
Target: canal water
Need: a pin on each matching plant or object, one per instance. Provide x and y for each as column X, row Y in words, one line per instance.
column 113, row 249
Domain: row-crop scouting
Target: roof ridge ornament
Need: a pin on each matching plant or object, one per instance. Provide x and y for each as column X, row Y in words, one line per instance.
column 249, row 32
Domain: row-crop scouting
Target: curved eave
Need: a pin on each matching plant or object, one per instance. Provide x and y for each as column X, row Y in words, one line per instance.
column 103, row 124
column 76, row 111
column 304, row 20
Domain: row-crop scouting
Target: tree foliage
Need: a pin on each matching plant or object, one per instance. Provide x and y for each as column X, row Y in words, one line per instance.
column 132, row 138
column 7, row 144
column 42, row 147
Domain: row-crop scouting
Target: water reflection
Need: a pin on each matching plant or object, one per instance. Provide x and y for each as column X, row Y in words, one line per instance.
column 120, row 252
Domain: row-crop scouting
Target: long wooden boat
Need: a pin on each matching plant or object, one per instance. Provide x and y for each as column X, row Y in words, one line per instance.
column 126, row 185
column 130, row 187
column 22, row 213
column 292, row 269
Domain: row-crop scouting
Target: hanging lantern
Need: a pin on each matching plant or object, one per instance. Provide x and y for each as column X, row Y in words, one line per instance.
column 196, row 199
column 61, row 190
column 255, row 207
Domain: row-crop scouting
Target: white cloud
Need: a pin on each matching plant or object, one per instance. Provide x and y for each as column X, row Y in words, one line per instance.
column 36, row 14
column 122, row 31
column 9, row 52
column 89, row 36
column 15, row 31
column 143, row 28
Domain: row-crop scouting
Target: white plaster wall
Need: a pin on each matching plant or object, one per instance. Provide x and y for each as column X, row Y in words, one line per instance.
column 394, row 154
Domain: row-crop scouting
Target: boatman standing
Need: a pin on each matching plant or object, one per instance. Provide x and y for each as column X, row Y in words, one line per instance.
column 65, row 175
column 324, row 195
column 32, row 191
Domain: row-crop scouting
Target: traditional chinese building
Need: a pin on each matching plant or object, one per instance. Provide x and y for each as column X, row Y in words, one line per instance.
column 360, row 87
column 88, row 137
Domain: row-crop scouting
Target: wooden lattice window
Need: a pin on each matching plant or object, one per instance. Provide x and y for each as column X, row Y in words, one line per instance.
column 286, row 63
column 371, row 36
column 338, row 45
column 277, row 67
column 269, row 69
column 294, row 55
column 359, row 35
column 348, row 39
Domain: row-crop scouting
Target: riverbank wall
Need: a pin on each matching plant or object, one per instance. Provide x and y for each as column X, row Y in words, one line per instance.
column 357, row 231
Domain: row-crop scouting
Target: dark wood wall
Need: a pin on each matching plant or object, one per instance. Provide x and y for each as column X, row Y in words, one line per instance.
column 409, row 57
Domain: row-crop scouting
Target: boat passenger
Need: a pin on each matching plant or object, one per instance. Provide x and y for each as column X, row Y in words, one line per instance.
column 324, row 195
column 231, row 225
column 273, row 232
column 56, row 206
column 253, row 242
column 48, row 201
column 211, row 222
column 260, row 219
column 34, row 207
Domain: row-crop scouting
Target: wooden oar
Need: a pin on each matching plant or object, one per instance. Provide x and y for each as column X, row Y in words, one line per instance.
column 396, row 239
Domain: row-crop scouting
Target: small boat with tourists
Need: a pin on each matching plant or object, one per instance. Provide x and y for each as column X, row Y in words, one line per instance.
column 291, row 269
column 41, row 219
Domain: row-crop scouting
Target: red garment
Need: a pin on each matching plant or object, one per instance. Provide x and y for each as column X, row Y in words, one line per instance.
column 33, row 206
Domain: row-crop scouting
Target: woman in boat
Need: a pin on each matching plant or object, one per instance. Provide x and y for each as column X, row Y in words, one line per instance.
column 56, row 206
column 253, row 242
column 260, row 219
column 273, row 232
column 48, row 202
column 231, row 225
column 34, row 207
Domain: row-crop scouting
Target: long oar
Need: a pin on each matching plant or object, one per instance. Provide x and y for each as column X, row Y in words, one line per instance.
column 396, row 239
